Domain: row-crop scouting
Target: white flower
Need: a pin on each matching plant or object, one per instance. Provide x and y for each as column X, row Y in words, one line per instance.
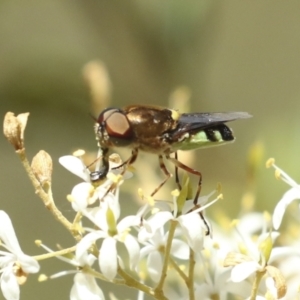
column 85, row 285
column 154, row 248
column 110, row 232
column 14, row 264
column 192, row 225
column 214, row 277
column 85, row 193
column 255, row 258
column 291, row 195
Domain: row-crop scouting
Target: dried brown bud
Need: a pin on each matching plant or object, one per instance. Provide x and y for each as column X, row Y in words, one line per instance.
column 279, row 280
column 14, row 128
column 42, row 167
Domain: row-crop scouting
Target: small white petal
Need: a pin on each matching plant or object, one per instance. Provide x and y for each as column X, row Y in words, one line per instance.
column 85, row 287
column 133, row 249
column 127, row 222
column 108, row 261
column 75, row 166
column 279, row 253
column 8, row 235
column 29, row 264
column 154, row 263
column 86, row 243
column 180, row 249
column 154, row 223
column 146, row 250
column 159, row 237
column 9, row 285
column 271, row 286
column 81, row 194
column 244, row 270
column 288, row 197
column 192, row 227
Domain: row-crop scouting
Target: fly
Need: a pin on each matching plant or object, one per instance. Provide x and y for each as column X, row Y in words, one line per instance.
column 161, row 131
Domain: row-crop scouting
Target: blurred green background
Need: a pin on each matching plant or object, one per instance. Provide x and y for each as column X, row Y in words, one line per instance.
column 233, row 56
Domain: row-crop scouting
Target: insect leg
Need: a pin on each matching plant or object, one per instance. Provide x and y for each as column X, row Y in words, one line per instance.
column 100, row 175
column 182, row 166
column 166, row 172
column 176, row 173
column 129, row 161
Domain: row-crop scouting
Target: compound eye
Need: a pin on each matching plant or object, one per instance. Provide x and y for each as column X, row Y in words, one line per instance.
column 118, row 126
column 104, row 115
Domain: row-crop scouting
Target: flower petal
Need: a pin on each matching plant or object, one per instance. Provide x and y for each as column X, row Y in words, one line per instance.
column 8, row 235
column 127, row 222
column 243, row 270
column 180, row 249
column 9, row 285
column 108, row 258
column 291, row 195
column 75, row 166
column 86, row 242
column 146, row 250
column 29, row 264
column 154, row 223
column 133, row 249
column 85, row 287
column 154, row 263
column 82, row 196
column 193, row 230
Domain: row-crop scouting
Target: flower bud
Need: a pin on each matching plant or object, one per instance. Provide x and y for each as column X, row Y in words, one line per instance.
column 42, row 167
column 14, row 127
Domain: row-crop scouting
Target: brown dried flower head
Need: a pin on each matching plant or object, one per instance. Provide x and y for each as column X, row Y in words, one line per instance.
column 14, row 128
column 42, row 167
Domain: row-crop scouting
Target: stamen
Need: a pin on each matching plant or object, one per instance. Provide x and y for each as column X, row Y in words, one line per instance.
column 42, row 278
column 270, row 162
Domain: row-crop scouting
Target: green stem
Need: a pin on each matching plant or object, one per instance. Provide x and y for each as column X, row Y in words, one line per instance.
column 131, row 282
column 179, row 271
column 255, row 286
column 55, row 253
column 46, row 197
column 190, row 282
column 159, row 288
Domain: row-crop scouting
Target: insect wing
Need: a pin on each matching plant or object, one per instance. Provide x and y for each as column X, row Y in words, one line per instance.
column 197, row 121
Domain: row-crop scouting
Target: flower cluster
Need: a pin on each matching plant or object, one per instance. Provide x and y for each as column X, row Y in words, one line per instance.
column 142, row 233
column 172, row 251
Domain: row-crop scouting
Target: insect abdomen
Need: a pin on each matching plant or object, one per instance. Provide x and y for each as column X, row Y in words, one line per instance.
column 208, row 137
